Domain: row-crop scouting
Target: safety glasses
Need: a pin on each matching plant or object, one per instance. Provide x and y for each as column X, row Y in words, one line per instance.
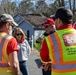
column 19, row 34
column 46, row 26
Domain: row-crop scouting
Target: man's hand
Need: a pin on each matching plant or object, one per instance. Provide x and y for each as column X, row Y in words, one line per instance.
column 39, row 39
column 47, row 66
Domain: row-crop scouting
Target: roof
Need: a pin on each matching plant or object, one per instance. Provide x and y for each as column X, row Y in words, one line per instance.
column 35, row 19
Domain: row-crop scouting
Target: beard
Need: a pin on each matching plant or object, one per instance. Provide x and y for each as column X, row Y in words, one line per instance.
column 10, row 31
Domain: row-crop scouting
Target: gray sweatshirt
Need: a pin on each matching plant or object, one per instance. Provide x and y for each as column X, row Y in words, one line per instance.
column 24, row 50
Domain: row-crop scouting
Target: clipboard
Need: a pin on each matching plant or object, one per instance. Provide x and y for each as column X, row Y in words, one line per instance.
column 39, row 63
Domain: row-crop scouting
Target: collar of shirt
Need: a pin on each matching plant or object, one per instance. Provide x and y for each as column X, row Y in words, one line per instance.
column 20, row 41
column 45, row 34
column 65, row 26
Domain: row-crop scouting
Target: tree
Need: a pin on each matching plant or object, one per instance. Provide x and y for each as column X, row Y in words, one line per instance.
column 8, row 7
column 72, row 5
column 26, row 6
column 41, row 6
column 61, row 3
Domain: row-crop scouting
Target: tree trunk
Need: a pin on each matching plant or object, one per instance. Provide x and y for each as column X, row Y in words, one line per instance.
column 74, row 6
column 59, row 2
column 70, row 4
column 63, row 3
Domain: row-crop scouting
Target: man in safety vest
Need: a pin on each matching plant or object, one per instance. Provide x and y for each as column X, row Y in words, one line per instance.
column 49, row 26
column 8, row 47
column 60, row 47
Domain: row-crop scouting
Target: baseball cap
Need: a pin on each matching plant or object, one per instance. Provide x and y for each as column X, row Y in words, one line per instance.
column 52, row 16
column 64, row 14
column 74, row 25
column 48, row 22
column 7, row 18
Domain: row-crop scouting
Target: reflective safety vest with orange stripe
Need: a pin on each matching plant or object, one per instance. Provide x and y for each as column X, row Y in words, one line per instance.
column 5, row 68
column 62, row 51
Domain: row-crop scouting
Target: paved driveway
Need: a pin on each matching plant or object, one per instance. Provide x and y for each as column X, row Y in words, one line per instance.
column 34, row 70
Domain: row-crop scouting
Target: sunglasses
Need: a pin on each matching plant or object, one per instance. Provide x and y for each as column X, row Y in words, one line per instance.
column 46, row 26
column 19, row 34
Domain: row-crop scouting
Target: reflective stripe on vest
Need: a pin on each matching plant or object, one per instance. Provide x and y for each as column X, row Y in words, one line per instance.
column 51, row 41
column 2, row 63
column 63, row 67
column 1, row 45
column 56, row 48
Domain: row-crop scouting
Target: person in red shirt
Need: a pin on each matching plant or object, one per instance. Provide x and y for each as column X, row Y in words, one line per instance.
column 59, row 47
column 49, row 27
column 9, row 64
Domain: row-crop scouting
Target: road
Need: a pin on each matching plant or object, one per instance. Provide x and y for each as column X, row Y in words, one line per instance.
column 33, row 69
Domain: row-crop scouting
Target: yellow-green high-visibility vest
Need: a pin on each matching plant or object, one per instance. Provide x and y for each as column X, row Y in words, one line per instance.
column 62, row 51
column 38, row 44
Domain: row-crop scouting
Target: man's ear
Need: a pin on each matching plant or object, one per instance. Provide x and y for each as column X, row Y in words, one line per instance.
column 53, row 26
column 59, row 21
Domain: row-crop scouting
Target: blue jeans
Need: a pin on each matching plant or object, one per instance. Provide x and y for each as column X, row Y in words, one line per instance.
column 48, row 72
column 24, row 67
